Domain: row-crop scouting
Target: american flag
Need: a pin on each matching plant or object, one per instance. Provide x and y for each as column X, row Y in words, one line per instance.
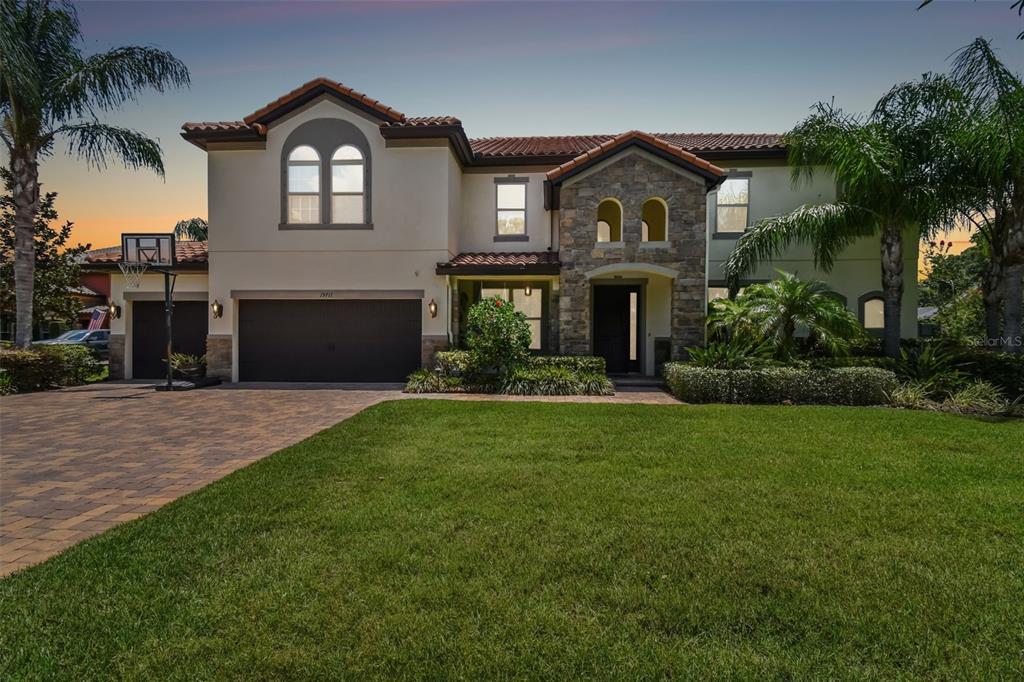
column 96, row 322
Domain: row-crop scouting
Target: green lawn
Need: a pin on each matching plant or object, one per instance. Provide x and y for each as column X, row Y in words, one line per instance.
column 481, row 540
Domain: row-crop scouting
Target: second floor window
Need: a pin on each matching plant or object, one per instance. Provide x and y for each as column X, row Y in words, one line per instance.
column 347, row 185
column 733, row 206
column 304, row 185
column 511, row 209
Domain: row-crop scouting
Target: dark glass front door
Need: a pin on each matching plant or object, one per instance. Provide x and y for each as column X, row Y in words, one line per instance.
column 617, row 336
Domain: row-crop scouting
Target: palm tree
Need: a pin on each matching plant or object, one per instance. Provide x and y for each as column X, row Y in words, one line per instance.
column 787, row 304
column 193, row 229
column 49, row 90
column 881, row 168
column 988, row 162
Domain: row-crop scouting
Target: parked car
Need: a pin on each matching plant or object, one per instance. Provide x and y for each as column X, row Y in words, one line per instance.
column 97, row 340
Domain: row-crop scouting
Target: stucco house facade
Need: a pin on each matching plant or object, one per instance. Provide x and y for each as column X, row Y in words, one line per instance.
column 347, row 240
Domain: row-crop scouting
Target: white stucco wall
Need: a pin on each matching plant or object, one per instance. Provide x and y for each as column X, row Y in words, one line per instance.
column 412, row 195
column 479, row 214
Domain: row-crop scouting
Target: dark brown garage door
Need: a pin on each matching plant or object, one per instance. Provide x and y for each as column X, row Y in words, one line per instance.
column 149, row 335
column 312, row 340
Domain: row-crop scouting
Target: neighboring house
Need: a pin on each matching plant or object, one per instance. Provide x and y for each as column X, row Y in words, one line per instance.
column 347, row 241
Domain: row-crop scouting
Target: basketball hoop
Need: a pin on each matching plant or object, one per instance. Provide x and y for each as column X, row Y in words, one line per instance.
column 133, row 272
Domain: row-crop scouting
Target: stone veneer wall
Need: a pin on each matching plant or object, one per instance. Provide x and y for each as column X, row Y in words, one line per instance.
column 632, row 178
column 115, row 347
column 218, row 356
column 430, row 345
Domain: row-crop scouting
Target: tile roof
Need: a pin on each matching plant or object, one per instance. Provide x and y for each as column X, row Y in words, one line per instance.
column 479, row 262
column 418, row 121
column 184, row 252
column 619, row 141
column 341, row 90
column 573, row 145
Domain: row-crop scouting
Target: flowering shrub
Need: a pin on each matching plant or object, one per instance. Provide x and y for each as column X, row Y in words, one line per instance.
column 498, row 337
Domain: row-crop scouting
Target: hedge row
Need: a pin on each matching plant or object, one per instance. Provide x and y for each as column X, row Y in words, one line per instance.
column 840, row 386
column 457, row 362
column 43, row 367
column 547, row 380
column 1003, row 370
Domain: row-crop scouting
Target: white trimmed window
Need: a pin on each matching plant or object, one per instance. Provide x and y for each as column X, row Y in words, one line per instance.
column 733, row 206
column 347, row 188
column 303, row 185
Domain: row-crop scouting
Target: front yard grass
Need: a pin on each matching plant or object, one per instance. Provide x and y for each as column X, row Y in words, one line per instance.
column 485, row 540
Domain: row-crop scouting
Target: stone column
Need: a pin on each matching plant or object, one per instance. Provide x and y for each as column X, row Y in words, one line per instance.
column 430, row 344
column 115, row 348
column 218, row 356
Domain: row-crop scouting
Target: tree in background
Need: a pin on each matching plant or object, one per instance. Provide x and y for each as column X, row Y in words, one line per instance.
column 56, row 263
column 1017, row 5
column 193, row 229
column 951, row 274
column 49, row 90
column 987, row 171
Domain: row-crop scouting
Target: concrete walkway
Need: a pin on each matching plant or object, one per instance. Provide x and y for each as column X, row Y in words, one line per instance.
column 76, row 462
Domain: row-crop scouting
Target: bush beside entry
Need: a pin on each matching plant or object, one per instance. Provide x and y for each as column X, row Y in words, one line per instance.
column 43, row 367
column 499, row 361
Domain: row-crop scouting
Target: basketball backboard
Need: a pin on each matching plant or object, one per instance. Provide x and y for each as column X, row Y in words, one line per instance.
column 155, row 249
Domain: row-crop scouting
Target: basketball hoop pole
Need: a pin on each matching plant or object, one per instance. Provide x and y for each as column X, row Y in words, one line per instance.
column 168, row 314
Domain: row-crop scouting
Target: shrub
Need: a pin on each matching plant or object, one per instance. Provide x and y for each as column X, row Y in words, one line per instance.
column 841, row 386
column 454, row 363
column 1003, row 370
column 733, row 353
column 541, row 375
column 555, row 380
column 880, row 362
column 932, row 366
column 6, row 385
column 44, row 367
column 498, row 337
column 911, row 396
column 188, row 366
column 978, row 397
column 574, row 363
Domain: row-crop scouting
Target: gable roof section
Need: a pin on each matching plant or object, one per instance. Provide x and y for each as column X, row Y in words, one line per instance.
column 315, row 88
column 566, row 147
column 712, row 174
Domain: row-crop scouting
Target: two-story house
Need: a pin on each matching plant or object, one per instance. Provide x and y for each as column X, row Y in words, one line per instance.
column 347, row 240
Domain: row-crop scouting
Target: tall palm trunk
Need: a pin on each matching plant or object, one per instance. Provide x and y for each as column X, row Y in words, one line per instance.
column 1012, row 303
column 992, row 295
column 892, row 286
column 25, row 170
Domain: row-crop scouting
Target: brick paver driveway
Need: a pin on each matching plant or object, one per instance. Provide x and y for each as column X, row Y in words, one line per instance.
column 76, row 462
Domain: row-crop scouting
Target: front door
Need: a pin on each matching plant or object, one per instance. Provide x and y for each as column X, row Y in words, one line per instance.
column 617, row 336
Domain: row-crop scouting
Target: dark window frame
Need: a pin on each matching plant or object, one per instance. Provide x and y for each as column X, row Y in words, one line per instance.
column 734, row 175
column 512, row 180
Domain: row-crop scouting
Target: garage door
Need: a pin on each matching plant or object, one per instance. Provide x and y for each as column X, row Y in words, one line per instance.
column 149, row 335
column 311, row 340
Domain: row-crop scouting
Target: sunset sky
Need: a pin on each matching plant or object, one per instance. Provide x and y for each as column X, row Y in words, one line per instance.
column 506, row 69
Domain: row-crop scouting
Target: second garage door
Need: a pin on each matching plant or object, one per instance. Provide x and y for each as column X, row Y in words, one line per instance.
column 312, row 340
column 149, row 335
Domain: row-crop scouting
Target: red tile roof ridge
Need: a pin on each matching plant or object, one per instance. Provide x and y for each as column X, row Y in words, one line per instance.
column 622, row 139
column 339, row 88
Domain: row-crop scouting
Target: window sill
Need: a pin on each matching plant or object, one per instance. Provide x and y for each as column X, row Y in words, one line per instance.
column 727, row 235
column 655, row 245
column 511, row 238
column 609, row 245
column 325, row 226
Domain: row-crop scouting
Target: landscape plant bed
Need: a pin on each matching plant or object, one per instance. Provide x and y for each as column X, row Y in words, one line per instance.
column 539, row 375
column 454, row 539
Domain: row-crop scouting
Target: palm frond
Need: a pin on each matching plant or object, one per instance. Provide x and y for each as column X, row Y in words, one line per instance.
column 108, row 80
column 97, row 142
column 827, row 228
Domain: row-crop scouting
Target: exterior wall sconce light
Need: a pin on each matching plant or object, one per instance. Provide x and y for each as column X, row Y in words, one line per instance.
column 216, row 309
column 529, row 290
column 432, row 308
column 114, row 310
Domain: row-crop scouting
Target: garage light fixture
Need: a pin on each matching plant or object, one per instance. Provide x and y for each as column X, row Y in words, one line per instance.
column 432, row 308
column 529, row 290
column 216, row 309
column 114, row 310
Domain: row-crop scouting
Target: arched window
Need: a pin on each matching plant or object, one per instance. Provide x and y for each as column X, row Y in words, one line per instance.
column 609, row 221
column 347, row 175
column 872, row 311
column 655, row 220
column 303, row 185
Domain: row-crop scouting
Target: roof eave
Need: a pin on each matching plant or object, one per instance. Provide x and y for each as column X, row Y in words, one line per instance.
column 501, row 270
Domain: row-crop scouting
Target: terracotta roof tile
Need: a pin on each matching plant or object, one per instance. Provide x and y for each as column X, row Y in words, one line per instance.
column 184, row 252
column 341, row 90
column 573, row 145
column 618, row 141
column 419, row 121
column 527, row 261
column 214, row 126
